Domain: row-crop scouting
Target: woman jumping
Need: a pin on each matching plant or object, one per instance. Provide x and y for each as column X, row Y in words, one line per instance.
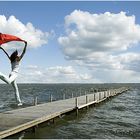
column 15, row 62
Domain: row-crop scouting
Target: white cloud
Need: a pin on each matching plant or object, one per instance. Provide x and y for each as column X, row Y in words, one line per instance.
column 117, row 76
column 64, row 70
column 85, row 76
column 98, row 32
column 57, row 74
column 101, row 41
column 124, row 61
column 32, row 67
column 68, row 74
column 35, row 37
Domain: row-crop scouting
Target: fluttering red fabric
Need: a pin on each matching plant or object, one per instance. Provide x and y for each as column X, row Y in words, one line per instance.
column 5, row 38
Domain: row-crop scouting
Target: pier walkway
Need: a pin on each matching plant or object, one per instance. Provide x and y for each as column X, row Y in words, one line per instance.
column 12, row 122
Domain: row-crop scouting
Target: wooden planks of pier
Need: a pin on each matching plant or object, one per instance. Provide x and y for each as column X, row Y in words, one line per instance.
column 12, row 122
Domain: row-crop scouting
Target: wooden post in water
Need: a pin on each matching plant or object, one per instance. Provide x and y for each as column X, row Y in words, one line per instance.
column 76, row 105
column 53, row 121
column 35, row 100
column 34, row 129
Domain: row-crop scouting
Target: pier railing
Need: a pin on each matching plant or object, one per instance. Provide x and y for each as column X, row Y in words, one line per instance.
column 97, row 97
column 93, row 97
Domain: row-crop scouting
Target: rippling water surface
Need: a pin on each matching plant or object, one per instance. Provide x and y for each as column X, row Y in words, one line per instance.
column 118, row 117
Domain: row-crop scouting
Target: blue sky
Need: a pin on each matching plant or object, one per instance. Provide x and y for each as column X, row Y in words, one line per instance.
column 54, row 62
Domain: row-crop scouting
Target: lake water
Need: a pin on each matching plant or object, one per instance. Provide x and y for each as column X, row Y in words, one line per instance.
column 115, row 118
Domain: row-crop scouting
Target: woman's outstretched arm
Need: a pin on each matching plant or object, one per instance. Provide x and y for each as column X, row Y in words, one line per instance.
column 5, row 52
column 24, row 50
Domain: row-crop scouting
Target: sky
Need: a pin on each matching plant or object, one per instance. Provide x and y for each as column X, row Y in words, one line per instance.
column 74, row 42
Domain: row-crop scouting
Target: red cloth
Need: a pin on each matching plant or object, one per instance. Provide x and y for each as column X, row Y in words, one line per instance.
column 4, row 38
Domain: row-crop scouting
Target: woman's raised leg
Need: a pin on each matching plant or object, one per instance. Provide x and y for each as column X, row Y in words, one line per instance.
column 4, row 78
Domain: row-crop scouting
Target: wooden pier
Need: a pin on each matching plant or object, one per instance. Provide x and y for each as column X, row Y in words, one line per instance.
column 12, row 122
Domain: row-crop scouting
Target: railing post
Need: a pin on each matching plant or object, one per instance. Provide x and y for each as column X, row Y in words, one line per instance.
column 94, row 97
column 76, row 105
column 35, row 100
column 99, row 96
column 109, row 93
column 51, row 98
column 86, row 99
column 76, row 101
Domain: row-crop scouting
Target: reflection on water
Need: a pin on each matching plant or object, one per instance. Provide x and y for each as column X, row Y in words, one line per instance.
column 115, row 118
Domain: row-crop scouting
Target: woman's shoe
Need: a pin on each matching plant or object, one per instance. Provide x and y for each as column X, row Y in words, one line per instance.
column 19, row 104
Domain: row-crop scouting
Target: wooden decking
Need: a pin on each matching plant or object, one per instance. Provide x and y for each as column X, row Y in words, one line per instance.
column 12, row 122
